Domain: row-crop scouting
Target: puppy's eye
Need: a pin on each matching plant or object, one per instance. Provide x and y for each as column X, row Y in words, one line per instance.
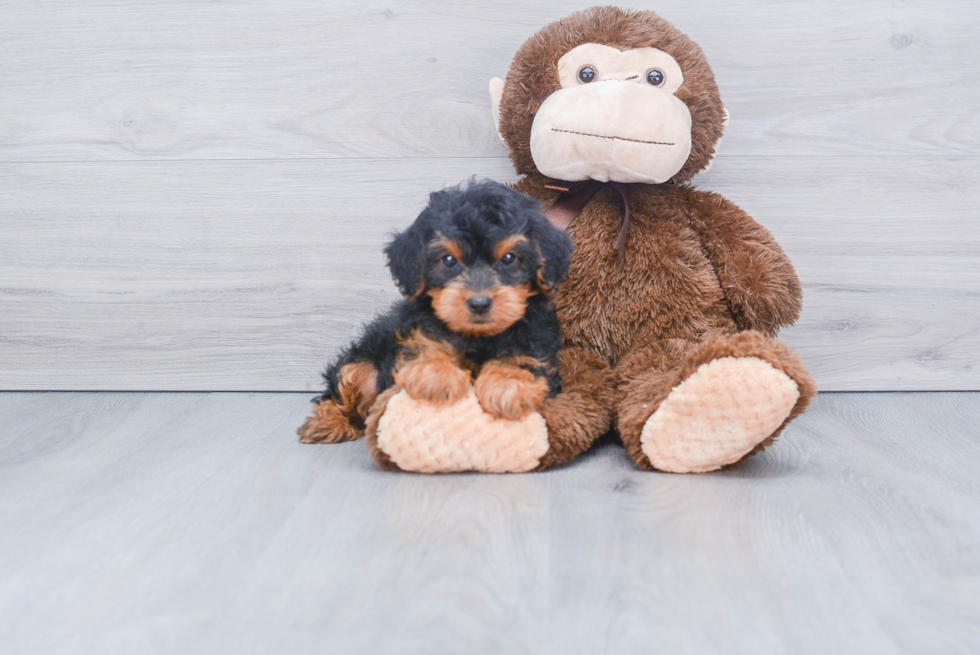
column 655, row 77
column 449, row 261
column 586, row 74
column 509, row 259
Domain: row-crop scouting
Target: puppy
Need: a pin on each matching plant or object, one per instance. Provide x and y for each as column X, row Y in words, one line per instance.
column 476, row 269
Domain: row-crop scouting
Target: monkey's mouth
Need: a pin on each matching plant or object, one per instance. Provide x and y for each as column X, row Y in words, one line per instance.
column 614, row 138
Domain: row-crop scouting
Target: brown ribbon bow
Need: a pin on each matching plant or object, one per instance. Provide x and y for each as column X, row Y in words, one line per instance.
column 575, row 196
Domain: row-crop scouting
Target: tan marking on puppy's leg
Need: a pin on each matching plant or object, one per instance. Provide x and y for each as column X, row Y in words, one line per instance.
column 328, row 424
column 509, row 392
column 342, row 419
column 358, row 387
column 527, row 362
column 430, row 370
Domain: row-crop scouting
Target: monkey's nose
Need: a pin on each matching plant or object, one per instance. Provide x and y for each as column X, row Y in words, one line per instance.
column 479, row 304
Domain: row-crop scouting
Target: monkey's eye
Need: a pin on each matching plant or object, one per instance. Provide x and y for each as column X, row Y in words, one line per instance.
column 449, row 261
column 509, row 259
column 586, row 74
column 655, row 77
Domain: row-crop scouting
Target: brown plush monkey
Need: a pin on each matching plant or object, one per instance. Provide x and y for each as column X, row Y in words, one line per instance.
column 675, row 294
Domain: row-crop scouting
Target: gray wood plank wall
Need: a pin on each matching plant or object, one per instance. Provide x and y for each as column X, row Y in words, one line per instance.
column 194, row 195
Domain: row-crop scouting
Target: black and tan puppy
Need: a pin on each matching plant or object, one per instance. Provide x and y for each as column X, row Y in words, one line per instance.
column 476, row 269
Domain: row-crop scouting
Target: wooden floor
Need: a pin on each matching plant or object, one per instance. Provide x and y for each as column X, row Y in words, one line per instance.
column 188, row 522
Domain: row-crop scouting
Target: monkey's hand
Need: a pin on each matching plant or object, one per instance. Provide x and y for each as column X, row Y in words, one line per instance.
column 756, row 276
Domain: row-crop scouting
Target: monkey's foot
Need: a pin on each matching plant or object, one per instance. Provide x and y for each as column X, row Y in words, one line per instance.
column 718, row 414
column 415, row 435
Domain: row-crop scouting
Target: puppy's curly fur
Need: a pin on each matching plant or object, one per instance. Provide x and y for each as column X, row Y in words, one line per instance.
column 476, row 269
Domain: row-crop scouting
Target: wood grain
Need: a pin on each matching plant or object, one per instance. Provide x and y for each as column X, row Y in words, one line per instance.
column 250, row 275
column 309, row 79
column 175, row 523
column 194, row 195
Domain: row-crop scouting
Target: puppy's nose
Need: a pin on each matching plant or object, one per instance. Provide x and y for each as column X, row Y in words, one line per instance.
column 479, row 304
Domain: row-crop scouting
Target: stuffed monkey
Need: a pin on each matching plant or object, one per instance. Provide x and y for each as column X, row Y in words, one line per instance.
column 674, row 295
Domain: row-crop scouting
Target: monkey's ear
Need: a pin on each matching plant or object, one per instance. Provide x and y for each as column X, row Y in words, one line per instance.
column 407, row 254
column 496, row 93
column 714, row 151
column 556, row 249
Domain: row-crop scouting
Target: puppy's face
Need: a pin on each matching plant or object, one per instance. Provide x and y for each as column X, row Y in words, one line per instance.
column 479, row 286
column 479, row 251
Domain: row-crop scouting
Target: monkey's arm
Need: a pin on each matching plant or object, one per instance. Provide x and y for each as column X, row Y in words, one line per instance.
column 756, row 277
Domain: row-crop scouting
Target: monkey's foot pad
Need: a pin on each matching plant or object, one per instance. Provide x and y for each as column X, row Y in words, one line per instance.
column 717, row 415
column 419, row 436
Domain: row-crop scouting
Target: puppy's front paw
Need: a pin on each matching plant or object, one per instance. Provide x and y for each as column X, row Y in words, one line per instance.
column 435, row 379
column 509, row 392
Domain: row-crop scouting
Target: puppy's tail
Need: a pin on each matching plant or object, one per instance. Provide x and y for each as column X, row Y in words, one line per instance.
column 339, row 414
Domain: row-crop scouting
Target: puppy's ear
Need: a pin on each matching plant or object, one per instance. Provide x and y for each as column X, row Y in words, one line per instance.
column 555, row 248
column 407, row 254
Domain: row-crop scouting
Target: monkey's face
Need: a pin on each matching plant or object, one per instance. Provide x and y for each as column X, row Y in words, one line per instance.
column 610, row 95
column 615, row 118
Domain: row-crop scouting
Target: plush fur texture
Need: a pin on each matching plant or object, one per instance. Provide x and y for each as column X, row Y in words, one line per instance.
column 649, row 375
column 476, row 267
column 696, row 271
column 572, row 419
column 462, row 437
column 619, row 125
column 717, row 415
column 533, row 76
